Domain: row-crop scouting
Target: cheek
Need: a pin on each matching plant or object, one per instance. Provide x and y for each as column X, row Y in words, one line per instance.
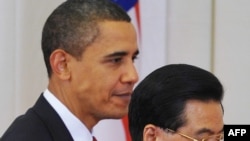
column 108, row 80
column 102, row 86
column 96, row 80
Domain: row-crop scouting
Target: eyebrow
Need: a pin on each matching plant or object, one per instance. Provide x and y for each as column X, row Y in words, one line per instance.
column 206, row 130
column 120, row 53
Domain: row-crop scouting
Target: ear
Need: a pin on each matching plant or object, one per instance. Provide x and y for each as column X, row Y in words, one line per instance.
column 150, row 132
column 58, row 62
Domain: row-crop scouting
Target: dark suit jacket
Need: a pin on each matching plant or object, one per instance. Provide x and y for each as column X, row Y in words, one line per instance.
column 39, row 123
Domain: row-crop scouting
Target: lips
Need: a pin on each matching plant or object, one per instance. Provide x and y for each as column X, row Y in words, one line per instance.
column 124, row 96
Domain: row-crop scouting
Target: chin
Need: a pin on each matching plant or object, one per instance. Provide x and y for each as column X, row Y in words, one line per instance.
column 118, row 115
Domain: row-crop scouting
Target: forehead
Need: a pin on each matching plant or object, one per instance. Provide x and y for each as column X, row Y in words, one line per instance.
column 113, row 36
column 118, row 35
column 204, row 115
column 113, row 30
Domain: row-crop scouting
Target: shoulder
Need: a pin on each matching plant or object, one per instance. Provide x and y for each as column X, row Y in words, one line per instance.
column 27, row 127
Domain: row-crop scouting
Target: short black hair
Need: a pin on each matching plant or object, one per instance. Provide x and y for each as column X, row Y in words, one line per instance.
column 161, row 97
column 73, row 25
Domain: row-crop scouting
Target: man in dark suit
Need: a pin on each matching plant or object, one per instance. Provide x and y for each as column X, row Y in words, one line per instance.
column 89, row 47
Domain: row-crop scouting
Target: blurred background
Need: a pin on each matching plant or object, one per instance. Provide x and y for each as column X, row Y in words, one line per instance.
column 211, row 34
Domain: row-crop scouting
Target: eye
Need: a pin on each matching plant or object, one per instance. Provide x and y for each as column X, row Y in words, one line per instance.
column 134, row 58
column 116, row 60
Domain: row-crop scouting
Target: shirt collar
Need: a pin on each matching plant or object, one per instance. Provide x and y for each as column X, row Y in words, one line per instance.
column 77, row 129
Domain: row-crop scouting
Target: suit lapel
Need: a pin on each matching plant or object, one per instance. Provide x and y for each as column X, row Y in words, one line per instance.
column 51, row 119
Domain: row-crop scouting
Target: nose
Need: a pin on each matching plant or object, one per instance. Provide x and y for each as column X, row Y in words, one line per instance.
column 130, row 74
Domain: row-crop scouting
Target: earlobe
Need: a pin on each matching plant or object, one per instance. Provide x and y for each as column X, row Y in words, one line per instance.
column 58, row 62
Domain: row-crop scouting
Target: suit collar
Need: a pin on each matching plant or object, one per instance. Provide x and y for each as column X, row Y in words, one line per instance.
column 51, row 119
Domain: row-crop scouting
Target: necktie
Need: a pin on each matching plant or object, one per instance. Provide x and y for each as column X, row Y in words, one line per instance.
column 94, row 139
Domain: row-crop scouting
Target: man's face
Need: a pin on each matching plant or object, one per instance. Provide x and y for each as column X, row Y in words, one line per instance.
column 203, row 119
column 102, row 81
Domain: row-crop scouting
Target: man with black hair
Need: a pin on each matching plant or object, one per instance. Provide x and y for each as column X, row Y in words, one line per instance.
column 89, row 48
column 177, row 102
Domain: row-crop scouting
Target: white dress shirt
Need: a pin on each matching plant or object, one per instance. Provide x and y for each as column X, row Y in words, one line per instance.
column 77, row 129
